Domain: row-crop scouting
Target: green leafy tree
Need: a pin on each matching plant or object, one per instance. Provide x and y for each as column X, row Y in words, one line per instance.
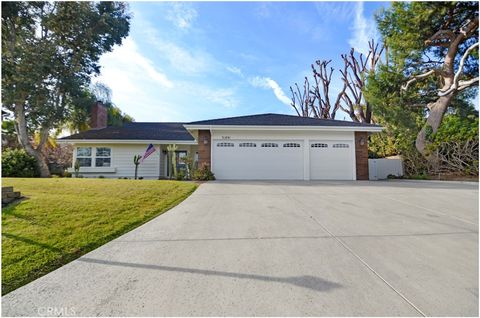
column 50, row 50
column 80, row 117
column 433, row 51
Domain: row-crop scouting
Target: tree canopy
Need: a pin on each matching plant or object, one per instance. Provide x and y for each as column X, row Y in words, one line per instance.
column 50, row 50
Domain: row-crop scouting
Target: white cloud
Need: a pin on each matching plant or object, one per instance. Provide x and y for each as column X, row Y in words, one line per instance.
column 235, row 70
column 135, row 83
column 268, row 83
column 363, row 30
column 182, row 15
column 126, row 58
column 188, row 61
column 221, row 96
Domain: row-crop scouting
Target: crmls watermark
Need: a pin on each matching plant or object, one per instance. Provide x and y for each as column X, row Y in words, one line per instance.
column 56, row 311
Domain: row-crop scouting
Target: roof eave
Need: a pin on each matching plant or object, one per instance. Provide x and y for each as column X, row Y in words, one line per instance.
column 126, row 141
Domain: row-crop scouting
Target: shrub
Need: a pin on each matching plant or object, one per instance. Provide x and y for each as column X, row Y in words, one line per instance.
column 180, row 175
column 101, row 177
column 203, row 174
column 67, row 174
column 140, row 178
column 17, row 163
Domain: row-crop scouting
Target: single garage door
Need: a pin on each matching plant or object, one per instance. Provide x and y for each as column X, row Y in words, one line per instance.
column 331, row 160
column 257, row 159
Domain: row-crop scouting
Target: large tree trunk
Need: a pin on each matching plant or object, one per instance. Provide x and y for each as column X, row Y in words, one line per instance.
column 21, row 128
column 437, row 110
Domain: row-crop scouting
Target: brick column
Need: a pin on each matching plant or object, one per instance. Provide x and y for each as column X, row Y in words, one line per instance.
column 361, row 155
column 204, row 148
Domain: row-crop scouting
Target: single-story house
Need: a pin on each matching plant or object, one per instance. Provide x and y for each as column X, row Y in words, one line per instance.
column 255, row 147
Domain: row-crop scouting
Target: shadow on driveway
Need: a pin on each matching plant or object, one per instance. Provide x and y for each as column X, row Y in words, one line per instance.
column 306, row 281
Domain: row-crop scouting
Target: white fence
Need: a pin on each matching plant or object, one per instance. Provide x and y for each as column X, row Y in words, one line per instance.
column 380, row 168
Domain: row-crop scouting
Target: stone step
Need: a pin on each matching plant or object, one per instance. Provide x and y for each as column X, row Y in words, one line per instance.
column 7, row 189
column 7, row 200
column 14, row 195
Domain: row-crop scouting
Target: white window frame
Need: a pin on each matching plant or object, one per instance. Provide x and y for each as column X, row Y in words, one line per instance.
column 319, row 145
column 225, row 144
column 269, row 145
column 103, row 157
column 93, row 156
column 85, row 157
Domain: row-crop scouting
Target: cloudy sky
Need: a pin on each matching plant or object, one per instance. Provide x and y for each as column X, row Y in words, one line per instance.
column 191, row 61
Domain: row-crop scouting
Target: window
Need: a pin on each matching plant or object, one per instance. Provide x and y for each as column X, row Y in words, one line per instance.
column 269, row 145
column 84, row 156
column 319, row 145
column 225, row 144
column 291, row 145
column 247, row 144
column 103, row 157
column 340, row 146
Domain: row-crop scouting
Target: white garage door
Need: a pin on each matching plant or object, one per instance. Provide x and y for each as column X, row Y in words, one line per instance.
column 331, row 160
column 258, row 159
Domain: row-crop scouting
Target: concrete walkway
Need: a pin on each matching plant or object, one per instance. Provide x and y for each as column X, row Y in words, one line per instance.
column 281, row 249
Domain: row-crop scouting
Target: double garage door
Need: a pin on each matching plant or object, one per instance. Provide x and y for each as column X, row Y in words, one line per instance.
column 282, row 159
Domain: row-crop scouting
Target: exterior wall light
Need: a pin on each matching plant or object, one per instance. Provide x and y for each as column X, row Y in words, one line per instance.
column 362, row 141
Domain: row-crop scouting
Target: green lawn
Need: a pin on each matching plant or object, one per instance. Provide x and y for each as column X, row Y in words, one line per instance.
column 62, row 219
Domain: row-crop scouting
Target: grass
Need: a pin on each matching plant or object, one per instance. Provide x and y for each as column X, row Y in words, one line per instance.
column 62, row 219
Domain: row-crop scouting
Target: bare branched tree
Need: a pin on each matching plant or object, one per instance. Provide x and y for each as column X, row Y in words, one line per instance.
column 315, row 100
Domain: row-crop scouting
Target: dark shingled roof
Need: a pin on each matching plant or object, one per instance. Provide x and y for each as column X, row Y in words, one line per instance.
column 137, row 131
column 176, row 131
column 279, row 120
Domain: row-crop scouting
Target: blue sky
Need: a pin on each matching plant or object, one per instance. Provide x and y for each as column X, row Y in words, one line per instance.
column 190, row 61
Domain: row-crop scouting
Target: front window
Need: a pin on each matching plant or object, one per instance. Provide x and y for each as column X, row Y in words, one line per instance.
column 103, row 157
column 84, row 156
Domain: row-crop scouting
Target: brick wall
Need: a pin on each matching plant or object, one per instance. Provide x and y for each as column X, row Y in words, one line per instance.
column 361, row 155
column 204, row 153
column 98, row 118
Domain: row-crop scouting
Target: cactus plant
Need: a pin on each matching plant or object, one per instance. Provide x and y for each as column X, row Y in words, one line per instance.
column 171, row 151
column 76, row 168
column 136, row 161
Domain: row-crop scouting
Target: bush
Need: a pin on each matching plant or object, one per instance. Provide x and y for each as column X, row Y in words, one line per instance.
column 67, row 174
column 17, row 163
column 101, row 177
column 180, row 176
column 203, row 174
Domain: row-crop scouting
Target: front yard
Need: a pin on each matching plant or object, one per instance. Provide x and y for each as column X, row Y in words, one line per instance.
column 62, row 219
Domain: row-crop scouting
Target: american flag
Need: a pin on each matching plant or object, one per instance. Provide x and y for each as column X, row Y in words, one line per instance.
column 150, row 150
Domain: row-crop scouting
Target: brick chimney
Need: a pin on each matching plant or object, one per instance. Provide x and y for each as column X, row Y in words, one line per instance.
column 98, row 117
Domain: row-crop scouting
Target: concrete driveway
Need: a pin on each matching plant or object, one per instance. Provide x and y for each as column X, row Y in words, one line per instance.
column 281, row 249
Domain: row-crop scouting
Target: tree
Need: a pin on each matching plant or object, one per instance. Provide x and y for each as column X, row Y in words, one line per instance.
column 80, row 117
column 49, row 52
column 314, row 99
column 435, row 47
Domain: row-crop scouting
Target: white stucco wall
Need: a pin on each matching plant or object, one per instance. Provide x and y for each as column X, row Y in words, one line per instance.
column 379, row 169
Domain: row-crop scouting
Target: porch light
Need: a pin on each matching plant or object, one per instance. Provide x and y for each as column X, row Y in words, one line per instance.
column 362, row 141
column 205, row 140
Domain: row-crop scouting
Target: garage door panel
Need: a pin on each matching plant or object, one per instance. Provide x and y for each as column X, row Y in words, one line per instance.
column 258, row 159
column 331, row 160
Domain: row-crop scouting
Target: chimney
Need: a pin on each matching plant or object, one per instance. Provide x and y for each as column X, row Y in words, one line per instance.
column 98, row 118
